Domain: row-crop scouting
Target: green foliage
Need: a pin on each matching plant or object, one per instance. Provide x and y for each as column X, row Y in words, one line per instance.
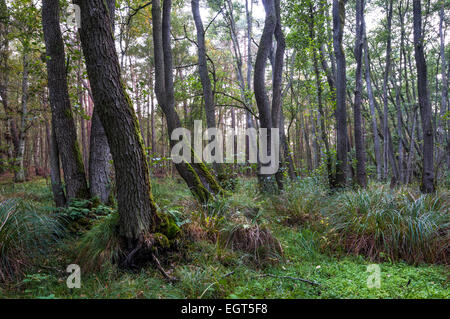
column 100, row 245
column 207, row 270
column 25, row 234
column 390, row 224
column 300, row 202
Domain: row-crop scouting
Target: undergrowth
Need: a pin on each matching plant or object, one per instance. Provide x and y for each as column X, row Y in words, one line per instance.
column 303, row 221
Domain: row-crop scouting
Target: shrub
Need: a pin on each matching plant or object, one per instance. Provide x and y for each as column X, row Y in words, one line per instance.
column 381, row 223
column 25, row 234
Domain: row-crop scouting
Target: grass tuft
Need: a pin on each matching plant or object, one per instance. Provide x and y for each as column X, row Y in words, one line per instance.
column 25, row 234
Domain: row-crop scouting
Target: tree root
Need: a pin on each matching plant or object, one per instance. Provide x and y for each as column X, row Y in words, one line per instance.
column 161, row 269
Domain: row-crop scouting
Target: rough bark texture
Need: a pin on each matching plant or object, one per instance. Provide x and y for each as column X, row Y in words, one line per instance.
column 361, row 176
column 99, row 161
column 62, row 117
column 341, row 87
column 424, row 103
column 55, row 171
column 137, row 209
column 100, row 166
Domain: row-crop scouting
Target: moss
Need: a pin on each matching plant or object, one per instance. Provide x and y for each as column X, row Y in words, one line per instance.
column 199, row 191
column 161, row 240
column 68, row 113
column 167, row 226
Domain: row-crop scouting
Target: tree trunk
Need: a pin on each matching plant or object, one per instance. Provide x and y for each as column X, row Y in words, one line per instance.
column 100, row 166
column 55, row 171
column 424, row 103
column 269, row 117
column 361, row 176
column 341, row 87
column 198, row 178
column 19, row 169
column 385, row 93
column 99, row 161
column 137, row 209
column 443, row 140
column 208, row 94
column 62, row 116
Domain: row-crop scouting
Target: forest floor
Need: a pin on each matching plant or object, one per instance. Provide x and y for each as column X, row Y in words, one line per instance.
column 204, row 270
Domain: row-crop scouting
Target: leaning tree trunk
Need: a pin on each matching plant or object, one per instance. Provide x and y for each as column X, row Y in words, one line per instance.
column 62, row 116
column 424, row 103
column 100, row 166
column 341, row 87
column 137, row 209
column 361, row 176
column 200, row 181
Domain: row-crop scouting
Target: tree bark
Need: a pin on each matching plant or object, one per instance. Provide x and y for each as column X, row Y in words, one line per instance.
column 361, row 176
column 137, row 209
column 62, row 116
column 269, row 117
column 19, row 169
column 424, row 103
column 341, row 87
column 443, row 140
column 100, row 166
column 385, row 93
column 208, row 94
column 55, row 171
column 200, row 181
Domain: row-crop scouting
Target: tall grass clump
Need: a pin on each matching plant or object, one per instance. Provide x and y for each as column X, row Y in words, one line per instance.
column 390, row 224
column 25, row 234
column 100, row 245
column 235, row 222
column 301, row 201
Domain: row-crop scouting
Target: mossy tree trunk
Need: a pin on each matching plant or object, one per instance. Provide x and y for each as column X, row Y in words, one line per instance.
column 137, row 209
column 62, row 117
column 196, row 175
column 100, row 166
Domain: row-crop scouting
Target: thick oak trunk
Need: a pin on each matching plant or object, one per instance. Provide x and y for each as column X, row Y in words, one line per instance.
column 137, row 209
column 100, row 166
